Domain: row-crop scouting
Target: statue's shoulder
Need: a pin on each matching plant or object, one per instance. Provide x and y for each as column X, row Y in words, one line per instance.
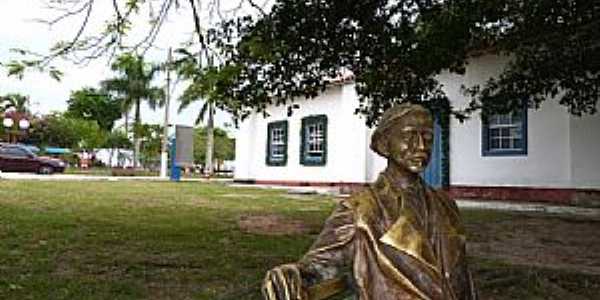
column 442, row 197
column 366, row 202
column 448, row 207
column 361, row 202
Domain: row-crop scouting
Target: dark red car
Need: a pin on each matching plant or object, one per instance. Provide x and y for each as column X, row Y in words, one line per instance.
column 17, row 158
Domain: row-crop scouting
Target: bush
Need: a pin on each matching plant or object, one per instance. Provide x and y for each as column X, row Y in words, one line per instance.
column 122, row 172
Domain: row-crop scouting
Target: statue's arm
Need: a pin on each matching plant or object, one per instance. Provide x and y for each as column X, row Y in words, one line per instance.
column 332, row 250
column 461, row 276
column 318, row 272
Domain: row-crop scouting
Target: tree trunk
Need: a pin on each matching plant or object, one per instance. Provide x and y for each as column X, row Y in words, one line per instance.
column 210, row 141
column 136, row 129
column 126, row 115
column 110, row 157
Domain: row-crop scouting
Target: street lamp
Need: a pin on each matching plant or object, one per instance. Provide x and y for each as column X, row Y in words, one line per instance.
column 8, row 124
column 24, row 124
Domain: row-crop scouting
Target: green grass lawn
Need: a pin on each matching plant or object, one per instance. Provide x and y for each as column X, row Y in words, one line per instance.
column 126, row 240
column 158, row 240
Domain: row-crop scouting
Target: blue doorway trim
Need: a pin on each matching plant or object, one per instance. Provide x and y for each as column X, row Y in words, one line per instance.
column 434, row 173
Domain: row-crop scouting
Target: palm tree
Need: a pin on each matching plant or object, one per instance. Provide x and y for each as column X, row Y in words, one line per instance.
column 202, row 88
column 16, row 102
column 207, row 111
column 132, row 86
column 15, row 107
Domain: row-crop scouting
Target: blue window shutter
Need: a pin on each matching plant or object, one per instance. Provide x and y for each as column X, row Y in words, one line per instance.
column 269, row 159
column 304, row 159
column 486, row 147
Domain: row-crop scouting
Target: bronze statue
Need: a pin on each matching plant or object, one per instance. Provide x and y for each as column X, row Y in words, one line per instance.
column 397, row 239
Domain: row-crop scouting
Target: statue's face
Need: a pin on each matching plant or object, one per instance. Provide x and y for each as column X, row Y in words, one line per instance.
column 410, row 141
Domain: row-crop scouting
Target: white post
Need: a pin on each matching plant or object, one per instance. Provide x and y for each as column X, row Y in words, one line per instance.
column 164, row 156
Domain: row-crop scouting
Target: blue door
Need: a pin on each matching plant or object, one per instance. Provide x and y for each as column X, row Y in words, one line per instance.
column 433, row 172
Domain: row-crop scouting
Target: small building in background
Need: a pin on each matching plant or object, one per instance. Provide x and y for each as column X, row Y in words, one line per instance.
column 534, row 155
column 115, row 158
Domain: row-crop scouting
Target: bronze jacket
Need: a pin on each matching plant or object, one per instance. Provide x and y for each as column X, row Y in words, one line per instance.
column 396, row 243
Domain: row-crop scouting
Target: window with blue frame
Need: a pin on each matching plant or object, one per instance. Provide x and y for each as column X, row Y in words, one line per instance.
column 277, row 137
column 505, row 134
column 313, row 137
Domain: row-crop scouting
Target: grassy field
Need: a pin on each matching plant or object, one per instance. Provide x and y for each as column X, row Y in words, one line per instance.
column 136, row 240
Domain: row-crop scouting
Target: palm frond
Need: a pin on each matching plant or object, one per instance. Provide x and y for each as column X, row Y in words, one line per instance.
column 202, row 113
column 155, row 97
column 189, row 96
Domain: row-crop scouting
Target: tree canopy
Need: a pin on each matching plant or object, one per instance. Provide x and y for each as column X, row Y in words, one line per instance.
column 132, row 86
column 95, row 105
column 15, row 102
column 57, row 130
column 224, row 146
column 134, row 83
column 395, row 49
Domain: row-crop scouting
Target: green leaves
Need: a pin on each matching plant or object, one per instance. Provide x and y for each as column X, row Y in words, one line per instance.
column 224, row 146
column 55, row 74
column 16, row 69
column 60, row 130
column 134, row 82
column 396, row 49
column 19, row 103
column 210, row 84
column 151, row 142
column 117, row 139
column 555, row 49
column 95, row 105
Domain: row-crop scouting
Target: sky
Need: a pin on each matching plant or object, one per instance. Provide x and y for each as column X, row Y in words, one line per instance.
column 19, row 29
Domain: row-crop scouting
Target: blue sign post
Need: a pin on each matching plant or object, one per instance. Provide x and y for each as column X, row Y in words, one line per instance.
column 182, row 150
column 175, row 169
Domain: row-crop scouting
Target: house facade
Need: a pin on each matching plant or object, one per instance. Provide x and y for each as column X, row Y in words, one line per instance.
column 538, row 155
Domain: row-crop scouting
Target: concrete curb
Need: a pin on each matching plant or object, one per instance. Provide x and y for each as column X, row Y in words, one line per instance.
column 77, row 177
column 528, row 207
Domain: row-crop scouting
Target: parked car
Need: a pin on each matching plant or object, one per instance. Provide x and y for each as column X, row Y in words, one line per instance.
column 19, row 158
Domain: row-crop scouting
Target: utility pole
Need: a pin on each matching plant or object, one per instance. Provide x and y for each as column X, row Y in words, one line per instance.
column 210, row 136
column 164, row 156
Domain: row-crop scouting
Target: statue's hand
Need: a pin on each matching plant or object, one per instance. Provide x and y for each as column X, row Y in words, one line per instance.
column 284, row 283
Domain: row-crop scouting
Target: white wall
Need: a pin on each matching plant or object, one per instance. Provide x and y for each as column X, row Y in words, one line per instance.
column 244, row 145
column 120, row 157
column 562, row 150
column 585, row 150
column 547, row 163
column 346, row 142
column 375, row 162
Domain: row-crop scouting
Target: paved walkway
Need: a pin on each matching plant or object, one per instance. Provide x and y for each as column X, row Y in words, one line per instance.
column 462, row 203
column 332, row 191
column 529, row 207
column 83, row 177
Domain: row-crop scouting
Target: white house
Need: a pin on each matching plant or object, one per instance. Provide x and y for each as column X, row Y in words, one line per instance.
column 122, row 158
column 540, row 155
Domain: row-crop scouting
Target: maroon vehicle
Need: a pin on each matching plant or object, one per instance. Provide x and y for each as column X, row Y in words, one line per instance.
column 17, row 158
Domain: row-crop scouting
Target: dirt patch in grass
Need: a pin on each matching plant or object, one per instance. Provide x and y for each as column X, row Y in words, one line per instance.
column 271, row 224
column 542, row 241
column 300, row 196
column 534, row 256
column 241, row 196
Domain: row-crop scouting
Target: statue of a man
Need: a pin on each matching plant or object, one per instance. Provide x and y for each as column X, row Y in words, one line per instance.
column 397, row 239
